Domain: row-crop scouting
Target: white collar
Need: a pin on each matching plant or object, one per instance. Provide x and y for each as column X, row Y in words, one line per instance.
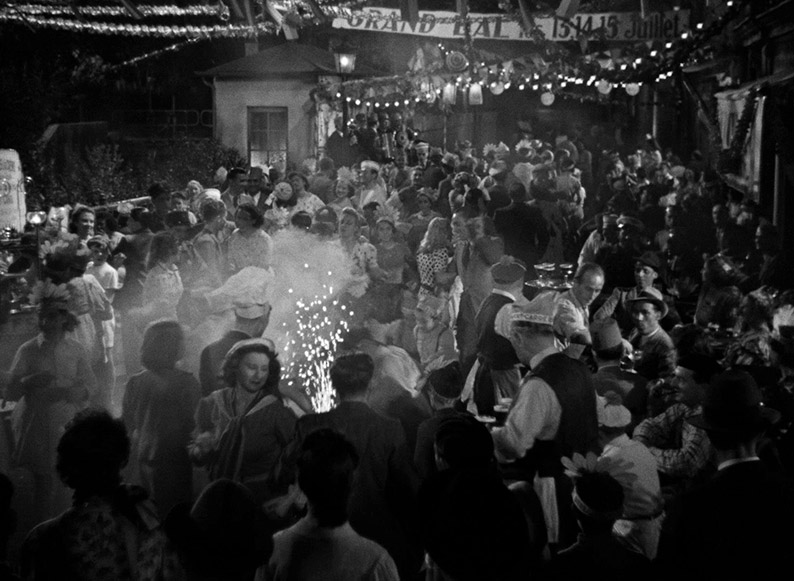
column 735, row 461
column 538, row 357
column 504, row 293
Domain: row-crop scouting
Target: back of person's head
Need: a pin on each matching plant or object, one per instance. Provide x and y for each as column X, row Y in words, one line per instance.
column 163, row 246
column 163, row 345
column 235, row 173
column 597, row 501
column 326, row 466
column 351, row 374
column 327, row 164
column 446, row 383
column 517, row 192
column 463, row 442
column 211, row 209
column 92, row 452
column 157, row 190
column 223, row 536
column 301, row 220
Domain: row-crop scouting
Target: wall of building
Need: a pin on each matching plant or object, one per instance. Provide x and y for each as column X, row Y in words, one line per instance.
column 234, row 97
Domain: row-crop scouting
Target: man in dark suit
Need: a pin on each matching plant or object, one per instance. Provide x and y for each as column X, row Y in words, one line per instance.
column 523, row 227
column 497, row 374
column 382, row 503
column 738, row 524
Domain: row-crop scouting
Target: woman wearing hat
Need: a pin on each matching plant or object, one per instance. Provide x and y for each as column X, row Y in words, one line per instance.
column 51, row 379
column 243, row 429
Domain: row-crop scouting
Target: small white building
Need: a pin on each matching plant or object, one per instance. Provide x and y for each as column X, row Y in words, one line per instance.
column 263, row 107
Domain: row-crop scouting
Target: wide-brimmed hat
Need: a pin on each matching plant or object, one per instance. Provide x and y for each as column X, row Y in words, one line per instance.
column 653, row 296
column 283, row 191
column 369, row 164
column 650, row 259
column 733, row 405
column 224, row 529
column 628, row 221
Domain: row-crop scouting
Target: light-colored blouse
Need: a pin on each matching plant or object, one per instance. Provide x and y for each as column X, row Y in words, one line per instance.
column 255, row 249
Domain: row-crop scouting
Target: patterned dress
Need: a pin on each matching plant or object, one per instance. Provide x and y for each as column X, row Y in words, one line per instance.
column 429, row 263
column 116, row 538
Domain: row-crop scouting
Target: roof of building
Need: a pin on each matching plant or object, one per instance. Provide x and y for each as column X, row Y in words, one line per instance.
column 288, row 59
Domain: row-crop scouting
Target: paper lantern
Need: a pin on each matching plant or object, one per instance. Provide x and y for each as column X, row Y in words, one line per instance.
column 475, row 94
column 604, row 87
column 632, row 89
column 547, row 98
column 450, row 94
column 497, row 88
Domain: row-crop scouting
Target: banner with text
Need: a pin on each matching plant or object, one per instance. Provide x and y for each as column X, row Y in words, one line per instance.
column 618, row 26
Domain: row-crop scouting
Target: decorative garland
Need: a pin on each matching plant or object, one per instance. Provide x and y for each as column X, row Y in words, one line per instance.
column 153, row 54
column 114, row 11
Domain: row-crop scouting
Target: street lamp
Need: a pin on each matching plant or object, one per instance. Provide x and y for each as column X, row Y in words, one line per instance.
column 345, row 65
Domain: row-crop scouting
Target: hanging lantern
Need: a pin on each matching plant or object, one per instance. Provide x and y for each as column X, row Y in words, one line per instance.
column 497, row 87
column 632, row 89
column 604, row 87
column 450, row 94
column 547, row 98
column 475, row 94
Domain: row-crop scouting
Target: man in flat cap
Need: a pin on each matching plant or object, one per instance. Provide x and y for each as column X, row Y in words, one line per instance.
column 496, row 374
column 553, row 415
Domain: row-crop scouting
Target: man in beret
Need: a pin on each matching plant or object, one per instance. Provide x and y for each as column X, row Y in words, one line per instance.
column 553, row 415
column 495, row 375
column 737, row 525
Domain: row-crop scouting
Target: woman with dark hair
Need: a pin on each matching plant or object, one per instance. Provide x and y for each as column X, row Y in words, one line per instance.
column 158, row 409
column 306, row 201
column 111, row 531
column 243, row 429
column 50, row 379
column 82, row 222
column 249, row 245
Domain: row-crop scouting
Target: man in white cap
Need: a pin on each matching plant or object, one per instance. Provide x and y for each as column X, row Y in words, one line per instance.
column 553, row 415
column 372, row 190
column 250, row 320
column 641, row 522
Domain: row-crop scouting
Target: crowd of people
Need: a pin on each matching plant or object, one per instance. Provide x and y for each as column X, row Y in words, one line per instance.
column 563, row 358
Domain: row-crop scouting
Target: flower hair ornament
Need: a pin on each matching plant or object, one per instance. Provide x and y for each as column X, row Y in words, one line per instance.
column 581, row 468
column 526, row 145
column 488, row 148
column 47, row 294
column 344, row 174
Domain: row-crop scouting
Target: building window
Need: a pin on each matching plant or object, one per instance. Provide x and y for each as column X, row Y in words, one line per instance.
column 267, row 136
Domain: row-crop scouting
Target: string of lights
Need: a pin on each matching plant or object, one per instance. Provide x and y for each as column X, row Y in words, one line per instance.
column 153, row 54
column 147, row 30
column 115, row 11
